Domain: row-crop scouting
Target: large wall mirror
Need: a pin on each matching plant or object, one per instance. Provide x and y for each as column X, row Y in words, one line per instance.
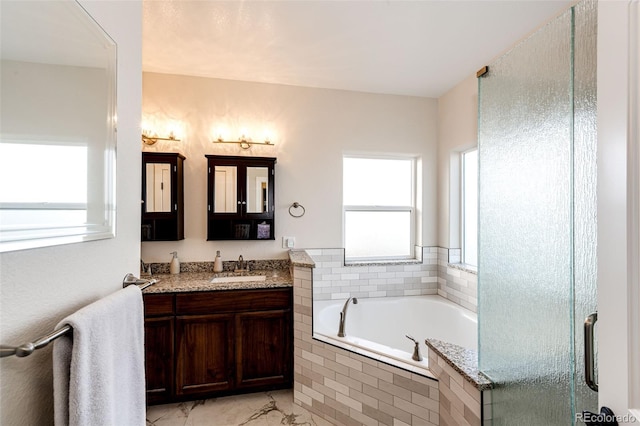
column 57, row 140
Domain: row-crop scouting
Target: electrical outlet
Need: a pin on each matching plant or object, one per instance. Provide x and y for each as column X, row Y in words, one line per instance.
column 288, row 242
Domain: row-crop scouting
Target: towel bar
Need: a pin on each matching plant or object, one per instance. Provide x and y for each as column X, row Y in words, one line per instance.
column 28, row 348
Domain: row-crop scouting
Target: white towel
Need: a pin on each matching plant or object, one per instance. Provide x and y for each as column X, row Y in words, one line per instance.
column 98, row 371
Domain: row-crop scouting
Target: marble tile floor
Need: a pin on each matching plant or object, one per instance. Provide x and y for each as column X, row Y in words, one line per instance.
column 254, row 409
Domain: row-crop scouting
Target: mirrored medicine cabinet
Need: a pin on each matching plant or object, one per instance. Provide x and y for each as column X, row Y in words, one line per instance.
column 240, row 193
column 162, row 196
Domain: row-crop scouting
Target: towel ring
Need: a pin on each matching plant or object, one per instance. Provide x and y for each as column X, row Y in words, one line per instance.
column 295, row 206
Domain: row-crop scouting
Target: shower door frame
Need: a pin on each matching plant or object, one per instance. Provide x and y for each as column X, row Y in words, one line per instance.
column 619, row 207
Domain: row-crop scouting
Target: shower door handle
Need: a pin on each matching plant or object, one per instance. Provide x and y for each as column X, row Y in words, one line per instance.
column 589, row 351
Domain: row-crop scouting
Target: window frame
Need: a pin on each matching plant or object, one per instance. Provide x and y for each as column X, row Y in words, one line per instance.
column 377, row 208
column 463, row 207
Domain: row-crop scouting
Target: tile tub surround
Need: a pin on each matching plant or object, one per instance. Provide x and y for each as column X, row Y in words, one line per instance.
column 456, row 282
column 464, row 392
column 332, row 279
column 346, row 388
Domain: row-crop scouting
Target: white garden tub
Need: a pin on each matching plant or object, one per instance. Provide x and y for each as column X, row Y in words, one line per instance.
column 377, row 326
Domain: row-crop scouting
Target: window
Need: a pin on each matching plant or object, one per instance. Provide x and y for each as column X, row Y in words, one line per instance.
column 378, row 200
column 470, row 207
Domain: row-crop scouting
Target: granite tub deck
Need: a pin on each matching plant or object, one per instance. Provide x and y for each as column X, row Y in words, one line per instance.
column 201, row 281
column 464, row 392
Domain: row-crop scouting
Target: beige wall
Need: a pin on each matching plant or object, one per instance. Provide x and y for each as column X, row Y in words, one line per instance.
column 457, row 132
column 40, row 287
column 313, row 128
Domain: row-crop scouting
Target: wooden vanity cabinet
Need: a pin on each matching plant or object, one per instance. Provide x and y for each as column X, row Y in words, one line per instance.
column 159, row 330
column 204, row 357
column 264, row 347
column 225, row 342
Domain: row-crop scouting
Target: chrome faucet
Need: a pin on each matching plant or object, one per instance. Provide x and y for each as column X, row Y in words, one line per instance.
column 241, row 266
column 343, row 315
column 145, row 268
column 416, row 349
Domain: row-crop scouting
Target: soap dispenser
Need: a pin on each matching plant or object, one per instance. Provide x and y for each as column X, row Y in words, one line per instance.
column 174, row 266
column 217, row 263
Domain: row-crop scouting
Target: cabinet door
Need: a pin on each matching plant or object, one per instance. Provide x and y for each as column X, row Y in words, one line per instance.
column 162, row 196
column 158, row 342
column 263, row 348
column 205, row 353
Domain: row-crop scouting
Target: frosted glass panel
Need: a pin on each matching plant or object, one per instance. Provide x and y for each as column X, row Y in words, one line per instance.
column 585, row 173
column 529, row 221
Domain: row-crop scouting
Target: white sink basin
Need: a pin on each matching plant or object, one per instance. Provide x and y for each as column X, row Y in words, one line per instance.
column 241, row 279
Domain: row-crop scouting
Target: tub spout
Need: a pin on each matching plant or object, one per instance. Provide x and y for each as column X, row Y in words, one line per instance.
column 416, row 349
column 343, row 315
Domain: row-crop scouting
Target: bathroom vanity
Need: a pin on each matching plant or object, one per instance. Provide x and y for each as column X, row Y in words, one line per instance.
column 206, row 339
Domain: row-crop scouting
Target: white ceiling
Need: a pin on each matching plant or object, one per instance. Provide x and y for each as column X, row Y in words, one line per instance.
column 419, row 48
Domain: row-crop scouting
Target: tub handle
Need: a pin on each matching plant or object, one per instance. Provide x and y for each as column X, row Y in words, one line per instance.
column 416, row 349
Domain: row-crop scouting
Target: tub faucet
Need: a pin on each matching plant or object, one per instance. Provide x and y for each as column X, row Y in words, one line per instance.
column 343, row 315
column 416, row 349
column 241, row 266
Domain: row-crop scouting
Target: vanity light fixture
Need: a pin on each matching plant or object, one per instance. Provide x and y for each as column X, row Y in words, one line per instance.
column 244, row 142
column 152, row 139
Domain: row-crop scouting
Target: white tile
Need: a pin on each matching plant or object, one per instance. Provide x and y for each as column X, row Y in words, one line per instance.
column 335, row 296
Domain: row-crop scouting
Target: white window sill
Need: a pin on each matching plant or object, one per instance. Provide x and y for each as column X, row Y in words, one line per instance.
column 464, row 267
column 382, row 262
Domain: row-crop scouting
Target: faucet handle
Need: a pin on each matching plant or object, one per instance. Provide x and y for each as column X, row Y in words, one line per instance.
column 416, row 349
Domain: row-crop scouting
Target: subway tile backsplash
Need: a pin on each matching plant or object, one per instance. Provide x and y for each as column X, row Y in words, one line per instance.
column 456, row 282
column 437, row 272
column 332, row 279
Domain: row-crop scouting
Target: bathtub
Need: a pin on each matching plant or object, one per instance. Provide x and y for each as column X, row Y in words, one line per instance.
column 376, row 327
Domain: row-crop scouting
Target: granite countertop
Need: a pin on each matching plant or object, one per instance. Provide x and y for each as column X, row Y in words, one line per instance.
column 301, row 258
column 463, row 360
column 201, row 281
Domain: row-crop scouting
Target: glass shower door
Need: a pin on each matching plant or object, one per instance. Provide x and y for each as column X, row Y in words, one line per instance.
column 537, row 224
